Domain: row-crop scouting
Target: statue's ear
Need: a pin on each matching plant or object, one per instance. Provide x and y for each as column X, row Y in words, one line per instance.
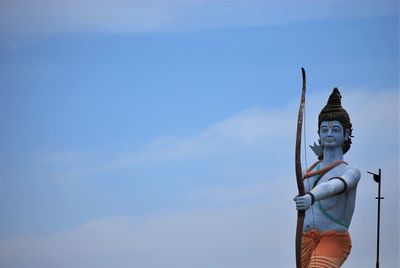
column 347, row 134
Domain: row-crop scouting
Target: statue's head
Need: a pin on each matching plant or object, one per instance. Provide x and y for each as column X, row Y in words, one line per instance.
column 335, row 120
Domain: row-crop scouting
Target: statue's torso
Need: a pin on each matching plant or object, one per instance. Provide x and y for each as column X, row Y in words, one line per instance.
column 333, row 213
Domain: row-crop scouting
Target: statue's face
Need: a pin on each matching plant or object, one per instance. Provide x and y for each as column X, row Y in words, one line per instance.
column 332, row 134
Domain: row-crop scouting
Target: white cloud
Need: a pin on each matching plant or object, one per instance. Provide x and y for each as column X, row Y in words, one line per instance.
column 255, row 132
column 236, row 237
column 248, row 135
column 254, row 129
column 136, row 16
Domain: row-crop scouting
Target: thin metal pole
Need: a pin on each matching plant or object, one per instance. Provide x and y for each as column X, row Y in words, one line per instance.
column 377, row 178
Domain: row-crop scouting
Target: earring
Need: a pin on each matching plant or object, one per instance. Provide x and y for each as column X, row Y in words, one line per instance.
column 347, row 135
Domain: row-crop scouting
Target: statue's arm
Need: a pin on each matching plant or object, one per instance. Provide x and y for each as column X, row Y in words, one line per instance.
column 337, row 185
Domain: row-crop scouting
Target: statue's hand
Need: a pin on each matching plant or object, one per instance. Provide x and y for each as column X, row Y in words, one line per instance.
column 303, row 202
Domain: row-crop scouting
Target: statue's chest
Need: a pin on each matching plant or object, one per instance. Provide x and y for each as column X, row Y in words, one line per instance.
column 333, row 201
column 321, row 178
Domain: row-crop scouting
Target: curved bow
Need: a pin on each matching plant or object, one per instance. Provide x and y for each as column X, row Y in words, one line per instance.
column 299, row 173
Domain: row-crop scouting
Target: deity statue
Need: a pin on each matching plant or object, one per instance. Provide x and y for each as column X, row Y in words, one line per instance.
column 330, row 185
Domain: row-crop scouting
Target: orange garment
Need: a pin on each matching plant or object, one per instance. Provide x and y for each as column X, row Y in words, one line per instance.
column 324, row 249
column 310, row 173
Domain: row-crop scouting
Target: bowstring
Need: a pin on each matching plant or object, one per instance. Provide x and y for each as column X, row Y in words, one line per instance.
column 306, row 164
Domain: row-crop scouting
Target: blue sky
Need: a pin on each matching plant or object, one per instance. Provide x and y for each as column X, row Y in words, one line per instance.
column 161, row 133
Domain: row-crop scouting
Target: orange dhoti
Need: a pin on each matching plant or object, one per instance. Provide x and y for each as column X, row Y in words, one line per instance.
column 324, row 249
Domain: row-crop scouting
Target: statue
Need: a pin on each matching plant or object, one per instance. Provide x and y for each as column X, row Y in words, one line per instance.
column 330, row 186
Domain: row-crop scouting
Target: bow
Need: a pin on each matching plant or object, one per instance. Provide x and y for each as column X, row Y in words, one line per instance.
column 299, row 173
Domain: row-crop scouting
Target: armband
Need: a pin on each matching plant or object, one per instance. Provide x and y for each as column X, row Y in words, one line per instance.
column 344, row 182
column 312, row 198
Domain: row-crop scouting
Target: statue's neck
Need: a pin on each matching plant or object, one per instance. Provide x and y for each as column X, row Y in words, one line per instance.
column 332, row 155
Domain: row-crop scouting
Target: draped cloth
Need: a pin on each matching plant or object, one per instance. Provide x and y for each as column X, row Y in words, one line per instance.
column 327, row 249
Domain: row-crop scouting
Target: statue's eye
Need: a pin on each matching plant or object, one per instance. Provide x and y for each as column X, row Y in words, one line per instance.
column 336, row 130
column 324, row 130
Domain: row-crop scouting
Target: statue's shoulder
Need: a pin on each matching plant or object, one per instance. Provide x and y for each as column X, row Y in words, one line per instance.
column 349, row 168
column 351, row 172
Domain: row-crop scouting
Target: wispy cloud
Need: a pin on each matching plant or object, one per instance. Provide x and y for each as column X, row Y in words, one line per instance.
column 234, row 237
column 136, row 16
column 256, row 129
